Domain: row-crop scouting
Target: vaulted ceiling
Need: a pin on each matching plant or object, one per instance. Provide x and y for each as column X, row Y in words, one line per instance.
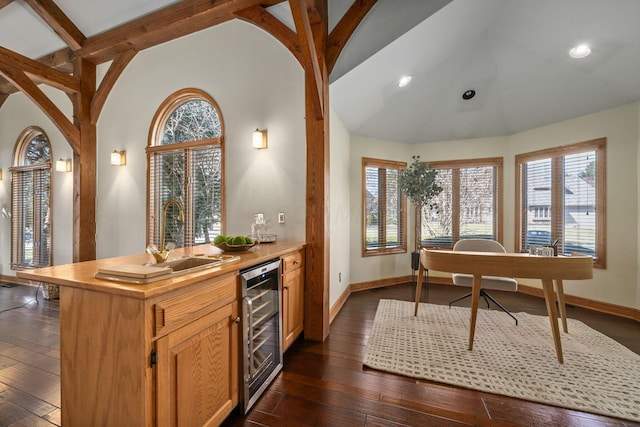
column 513, row 53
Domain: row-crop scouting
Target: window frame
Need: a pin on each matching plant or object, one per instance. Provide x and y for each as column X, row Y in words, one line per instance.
column 18, row 210
column 498, row 164
column 163, row 113
column 368, row 162
column 557, row 154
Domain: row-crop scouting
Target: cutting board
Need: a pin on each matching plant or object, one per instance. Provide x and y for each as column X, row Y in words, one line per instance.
column 135, row 270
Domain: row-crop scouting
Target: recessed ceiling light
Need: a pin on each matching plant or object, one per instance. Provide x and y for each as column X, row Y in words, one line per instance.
column 580, row 51
column 468, row 94
column 404, row 80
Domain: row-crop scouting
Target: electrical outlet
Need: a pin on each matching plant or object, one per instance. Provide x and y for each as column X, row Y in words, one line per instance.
column 258, row 218
column 281, row 218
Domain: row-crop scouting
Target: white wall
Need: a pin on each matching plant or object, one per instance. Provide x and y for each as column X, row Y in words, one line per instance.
column 339, row 209
column 638, row 210
column 619, row 283
column 256, row 83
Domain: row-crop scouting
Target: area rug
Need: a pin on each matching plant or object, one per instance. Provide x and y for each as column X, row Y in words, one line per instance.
column 598, row 375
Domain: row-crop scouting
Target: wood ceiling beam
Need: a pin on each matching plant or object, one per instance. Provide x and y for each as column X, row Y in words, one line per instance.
column 4, row 3
column 259, row 16
column 3, row 97
column 20, row 80
column 39, row 72
column 343, row 31
column 310, row 61
column 171, row 22
column 108, row 81
column 61, row 60
column 59, row 22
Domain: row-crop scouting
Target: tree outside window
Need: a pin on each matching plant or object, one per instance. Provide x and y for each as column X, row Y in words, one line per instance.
column 469, row 205
column 186, row 165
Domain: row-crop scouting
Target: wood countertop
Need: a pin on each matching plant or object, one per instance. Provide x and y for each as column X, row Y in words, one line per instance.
column 81, row 275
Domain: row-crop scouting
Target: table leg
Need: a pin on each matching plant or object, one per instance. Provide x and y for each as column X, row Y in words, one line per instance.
column 418, row 288
column 475, row 296
column 549, row 298
column 563, row 308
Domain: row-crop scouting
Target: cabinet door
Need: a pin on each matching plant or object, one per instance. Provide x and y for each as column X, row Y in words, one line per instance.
column 292, row 306
column 197, row 371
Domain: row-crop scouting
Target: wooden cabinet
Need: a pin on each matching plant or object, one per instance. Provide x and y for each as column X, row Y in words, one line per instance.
column 171, row 360
column 197, row 361
column 292, row 297
column 197, row 377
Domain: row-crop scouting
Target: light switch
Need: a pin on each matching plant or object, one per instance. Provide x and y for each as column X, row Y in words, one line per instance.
column 281, row 218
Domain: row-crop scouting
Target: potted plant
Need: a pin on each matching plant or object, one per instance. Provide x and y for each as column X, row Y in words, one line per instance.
column 418, row 183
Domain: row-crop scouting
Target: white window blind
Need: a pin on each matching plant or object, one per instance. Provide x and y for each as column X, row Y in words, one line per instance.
column 193, row 177
column 384, row 208
column 31, row 201
column 467, row 207
column 30, row 217
column 561, row 198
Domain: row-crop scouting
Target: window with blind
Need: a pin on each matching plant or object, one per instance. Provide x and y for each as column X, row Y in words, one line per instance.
column 186, row 165
column 384, row 228
column 469, row 206
column 561, row 197
column 31, row 201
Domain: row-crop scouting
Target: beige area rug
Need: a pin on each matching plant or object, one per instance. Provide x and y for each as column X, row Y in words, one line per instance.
column 598, row 375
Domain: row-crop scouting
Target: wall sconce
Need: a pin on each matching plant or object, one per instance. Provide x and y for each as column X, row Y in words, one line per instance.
column 118, row 158
column 260, row 139
column 63, row 165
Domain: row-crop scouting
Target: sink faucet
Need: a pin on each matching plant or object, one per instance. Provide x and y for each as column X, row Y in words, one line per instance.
column 162, row 254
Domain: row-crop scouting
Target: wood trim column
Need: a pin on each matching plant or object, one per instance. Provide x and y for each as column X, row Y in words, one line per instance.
column 316, row 322
column 84, row 166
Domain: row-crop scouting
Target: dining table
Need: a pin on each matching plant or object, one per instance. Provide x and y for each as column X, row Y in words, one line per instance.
column 550, row 270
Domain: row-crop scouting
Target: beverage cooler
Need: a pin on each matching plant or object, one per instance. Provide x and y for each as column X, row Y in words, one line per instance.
column 261, row 329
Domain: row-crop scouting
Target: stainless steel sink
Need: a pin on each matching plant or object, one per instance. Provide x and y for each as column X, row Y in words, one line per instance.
column 190, row 263
column 179, row 266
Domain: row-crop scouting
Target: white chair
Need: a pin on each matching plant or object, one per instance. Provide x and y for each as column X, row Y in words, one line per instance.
column 488, row 282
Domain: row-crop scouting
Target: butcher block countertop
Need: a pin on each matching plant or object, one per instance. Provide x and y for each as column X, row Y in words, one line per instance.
column 81, row 275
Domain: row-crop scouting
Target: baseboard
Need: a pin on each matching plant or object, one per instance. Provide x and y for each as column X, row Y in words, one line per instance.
column 15, row 279
column 602, row 307
column 381, row 283
column 337, row 306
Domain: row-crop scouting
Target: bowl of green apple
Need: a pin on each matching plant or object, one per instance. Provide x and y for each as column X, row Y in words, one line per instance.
column 233, row 243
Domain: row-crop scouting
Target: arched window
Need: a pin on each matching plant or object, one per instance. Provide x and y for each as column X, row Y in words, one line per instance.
column 31, row 200
column 185, row 159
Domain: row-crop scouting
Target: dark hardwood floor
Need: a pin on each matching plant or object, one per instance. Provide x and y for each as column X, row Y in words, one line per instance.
column 29, row 358
column 322, row 383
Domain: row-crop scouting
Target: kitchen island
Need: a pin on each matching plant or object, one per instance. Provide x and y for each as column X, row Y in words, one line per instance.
column 152, row 354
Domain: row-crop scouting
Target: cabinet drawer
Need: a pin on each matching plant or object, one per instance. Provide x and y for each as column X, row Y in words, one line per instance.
column 175, row 312
column 292, row 261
